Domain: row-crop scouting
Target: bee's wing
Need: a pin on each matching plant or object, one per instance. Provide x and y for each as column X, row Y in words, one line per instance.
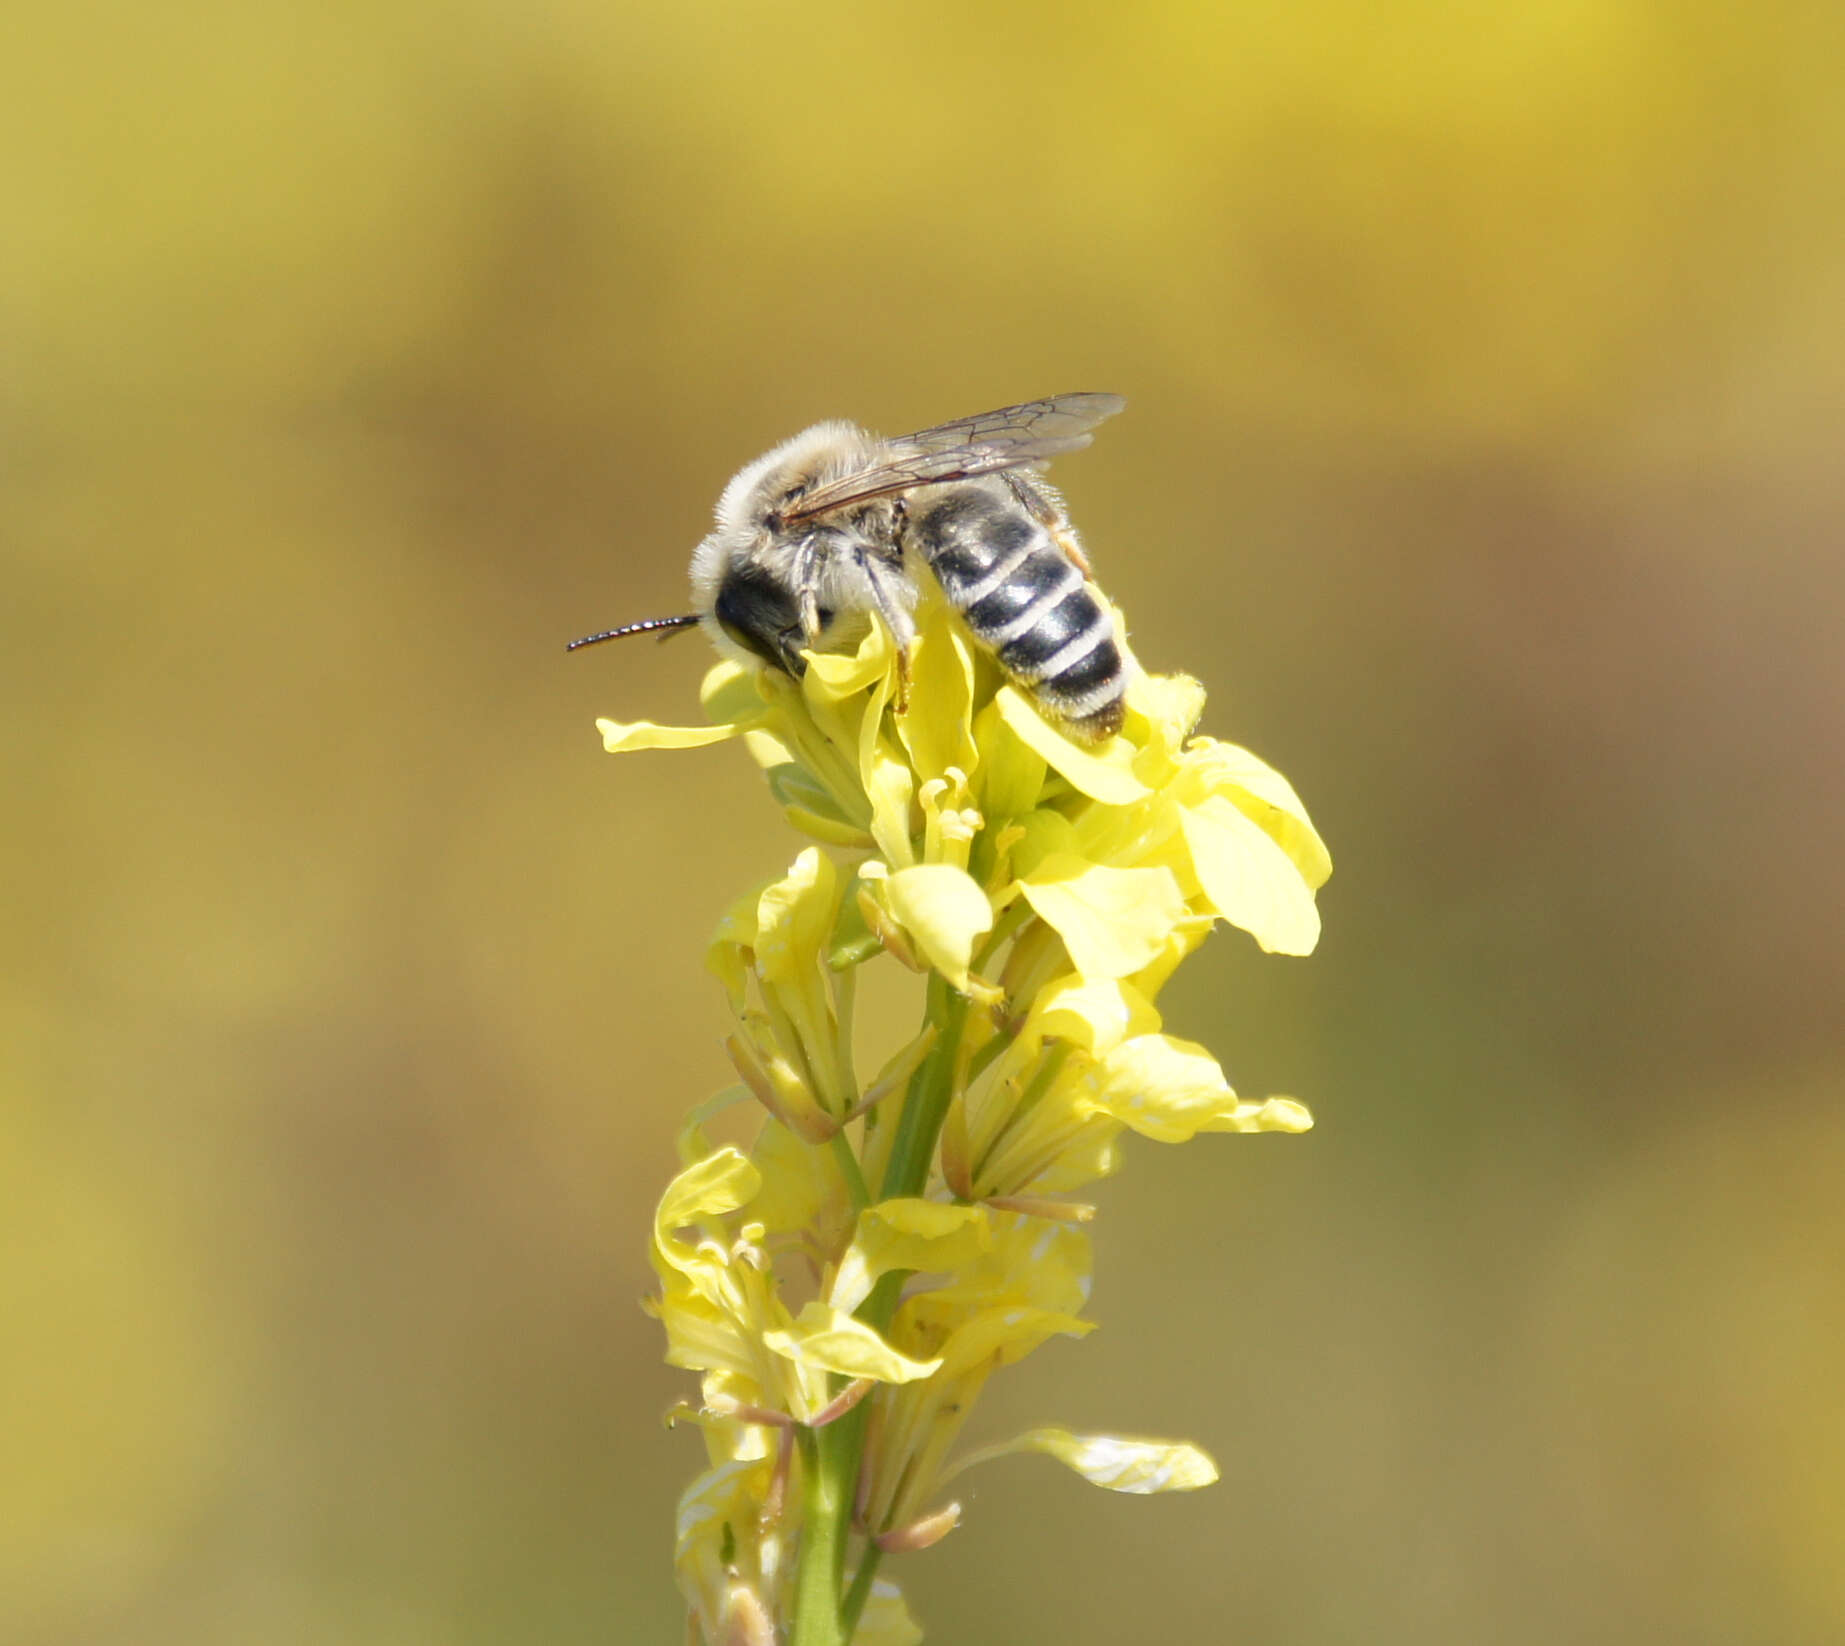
column 1008, row 438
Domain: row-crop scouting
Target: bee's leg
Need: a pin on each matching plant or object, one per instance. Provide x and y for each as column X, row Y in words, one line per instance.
column 807, row 583
column 1044, row 506
column 1072, row 546
column 896, row 615
column 903, row 679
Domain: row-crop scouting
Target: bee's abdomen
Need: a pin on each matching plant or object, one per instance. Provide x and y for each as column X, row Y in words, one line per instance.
column 1028, row 605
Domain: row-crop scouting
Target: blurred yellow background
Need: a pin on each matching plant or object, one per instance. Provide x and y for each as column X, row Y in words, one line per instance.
column 1486, row 368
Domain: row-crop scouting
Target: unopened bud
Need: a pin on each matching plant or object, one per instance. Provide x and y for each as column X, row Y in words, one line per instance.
column 957, row 1165
column 779, row 1089
column 887, row 931
column 1058, row 1211
column 920, row 1534
column 746, row 1620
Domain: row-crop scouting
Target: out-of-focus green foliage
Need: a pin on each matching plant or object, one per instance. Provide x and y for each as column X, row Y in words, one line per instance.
column 1484, row 368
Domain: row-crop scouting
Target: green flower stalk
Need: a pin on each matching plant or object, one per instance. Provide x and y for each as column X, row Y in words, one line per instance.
column 848, row 1284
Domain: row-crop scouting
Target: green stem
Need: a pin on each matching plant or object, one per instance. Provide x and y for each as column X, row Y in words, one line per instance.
column 845, row 997
column 931, row 1091
column 830, row 1459
column 854, row 1605
column 822, row 1569
column 850, row 1170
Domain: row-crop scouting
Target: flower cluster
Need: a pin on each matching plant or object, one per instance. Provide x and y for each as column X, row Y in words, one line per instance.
column 847, row 1286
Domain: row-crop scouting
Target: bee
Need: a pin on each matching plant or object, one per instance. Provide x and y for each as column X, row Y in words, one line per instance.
column 833, row 525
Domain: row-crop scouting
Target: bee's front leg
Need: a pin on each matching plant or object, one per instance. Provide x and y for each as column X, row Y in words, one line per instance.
column 889, row 605
column 811, row 620
column 807, row 588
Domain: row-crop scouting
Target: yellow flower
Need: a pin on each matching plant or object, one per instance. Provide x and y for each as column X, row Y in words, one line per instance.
column 795, row 1051
column 1113, row 922
column 940, row 907
column 1022, row 1282
column 847, row 1287
column 1047, row 1121
column 723, row 1309
column 766, row 1373
column 723, row 1565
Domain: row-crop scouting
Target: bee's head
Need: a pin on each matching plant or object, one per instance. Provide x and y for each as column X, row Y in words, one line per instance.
column 759, row 616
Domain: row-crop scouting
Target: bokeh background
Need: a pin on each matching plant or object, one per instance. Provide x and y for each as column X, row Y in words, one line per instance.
column 1487, row 376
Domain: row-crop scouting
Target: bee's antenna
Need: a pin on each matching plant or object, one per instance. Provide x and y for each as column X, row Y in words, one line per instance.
column 647, row 625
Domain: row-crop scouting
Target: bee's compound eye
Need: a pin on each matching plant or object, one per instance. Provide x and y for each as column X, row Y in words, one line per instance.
column 757, row 613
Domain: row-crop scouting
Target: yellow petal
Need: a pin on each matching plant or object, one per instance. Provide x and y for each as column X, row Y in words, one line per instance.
column 794, row 917
column 1042, row 833
column 718, row 1494
column 1170, row 1090
column 922, row 1236
column 1184, row 940
column 731, row 691
column 1097, row 1015
column 1172, row 704
column 890, row 786
column 886, row 1620
column 702, row 1335
column 829, row 1340
column 1117, row 1462
column 1091, row 1154
column 1011, row 770
column 1113, row 921
column 768, row 750
column 1272, row 1114
column 1164, row 1088
column 802, row 1189
column 938, row 727
column 1268, row 798
column 832, row 677
column 1250, row 880
column 725, row 962
column 1001, row 1335
column 1026, row 1260
column 945, row 911
column 1104, row 773
column 724, row 957
column 710, row 1509
column 623, row 736
column 719, row 1183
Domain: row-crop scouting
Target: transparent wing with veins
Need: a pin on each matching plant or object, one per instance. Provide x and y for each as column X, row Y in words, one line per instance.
column 1009, row 438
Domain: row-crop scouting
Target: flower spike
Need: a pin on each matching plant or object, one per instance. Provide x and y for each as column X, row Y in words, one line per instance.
column 846, row 1286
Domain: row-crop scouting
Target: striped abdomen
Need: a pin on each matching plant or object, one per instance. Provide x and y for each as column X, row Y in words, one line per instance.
column 1026, row 603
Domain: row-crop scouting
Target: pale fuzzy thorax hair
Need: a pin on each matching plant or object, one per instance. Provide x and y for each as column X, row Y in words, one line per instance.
column 826, row 452
column 816, row 456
